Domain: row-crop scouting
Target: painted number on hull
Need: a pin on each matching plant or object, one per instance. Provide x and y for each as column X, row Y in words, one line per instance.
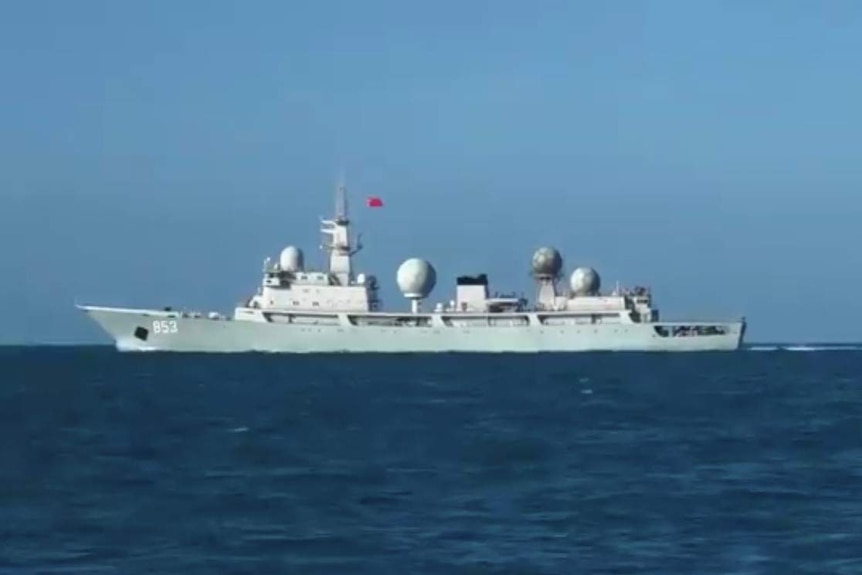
column 165, row 326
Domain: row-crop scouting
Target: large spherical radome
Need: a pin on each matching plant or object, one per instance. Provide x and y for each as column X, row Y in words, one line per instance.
column 547, row 262
column 585, row 281
column 416, row 278
column 291, row 259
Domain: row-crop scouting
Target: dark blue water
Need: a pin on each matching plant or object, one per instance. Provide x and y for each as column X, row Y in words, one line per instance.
column 611, row 463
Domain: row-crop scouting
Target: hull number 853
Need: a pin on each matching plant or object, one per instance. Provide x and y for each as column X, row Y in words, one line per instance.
column 165, row 326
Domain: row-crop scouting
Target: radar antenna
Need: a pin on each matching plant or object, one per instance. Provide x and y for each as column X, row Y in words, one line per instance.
column 341, row 202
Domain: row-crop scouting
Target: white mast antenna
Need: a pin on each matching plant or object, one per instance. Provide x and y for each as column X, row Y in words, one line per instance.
column 341, row 202
column 337, row 231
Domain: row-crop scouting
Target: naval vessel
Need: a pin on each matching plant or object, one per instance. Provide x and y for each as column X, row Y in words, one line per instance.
column 300, row 310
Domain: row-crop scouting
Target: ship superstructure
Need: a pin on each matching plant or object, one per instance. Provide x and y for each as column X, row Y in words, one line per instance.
column 296, row 309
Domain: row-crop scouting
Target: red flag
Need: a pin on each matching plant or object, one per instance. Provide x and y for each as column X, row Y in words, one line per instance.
column 374, row 202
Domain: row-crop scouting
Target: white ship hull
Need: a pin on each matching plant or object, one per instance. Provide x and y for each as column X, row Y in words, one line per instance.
column 156, row 330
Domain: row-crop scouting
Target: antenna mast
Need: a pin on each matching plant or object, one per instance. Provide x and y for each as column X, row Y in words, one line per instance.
column 337, row 244
column 341, row 202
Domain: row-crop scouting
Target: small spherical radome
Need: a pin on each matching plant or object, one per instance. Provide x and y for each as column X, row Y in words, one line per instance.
column 416, row 278
column 585, row 281
column 547, row 262
column 291, row 259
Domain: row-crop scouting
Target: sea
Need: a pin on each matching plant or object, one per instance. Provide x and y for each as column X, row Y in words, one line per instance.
column 703, row 463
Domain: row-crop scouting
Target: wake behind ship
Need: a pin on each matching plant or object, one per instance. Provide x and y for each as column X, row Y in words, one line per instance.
column 299, row 310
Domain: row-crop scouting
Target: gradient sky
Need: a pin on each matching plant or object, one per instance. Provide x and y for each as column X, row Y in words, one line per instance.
column 154, row 153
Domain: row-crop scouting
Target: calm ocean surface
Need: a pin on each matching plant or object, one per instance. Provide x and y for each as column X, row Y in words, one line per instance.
column 609, row 463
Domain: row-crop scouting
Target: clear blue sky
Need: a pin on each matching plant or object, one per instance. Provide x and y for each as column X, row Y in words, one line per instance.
column 153, row 153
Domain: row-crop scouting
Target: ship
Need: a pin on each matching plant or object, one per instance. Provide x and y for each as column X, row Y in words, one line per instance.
column 296, row 309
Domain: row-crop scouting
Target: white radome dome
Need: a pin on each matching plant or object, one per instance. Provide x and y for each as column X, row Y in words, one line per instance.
column 416, row 278
column 547, row 261
column 291, row 259
column 585, row 281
